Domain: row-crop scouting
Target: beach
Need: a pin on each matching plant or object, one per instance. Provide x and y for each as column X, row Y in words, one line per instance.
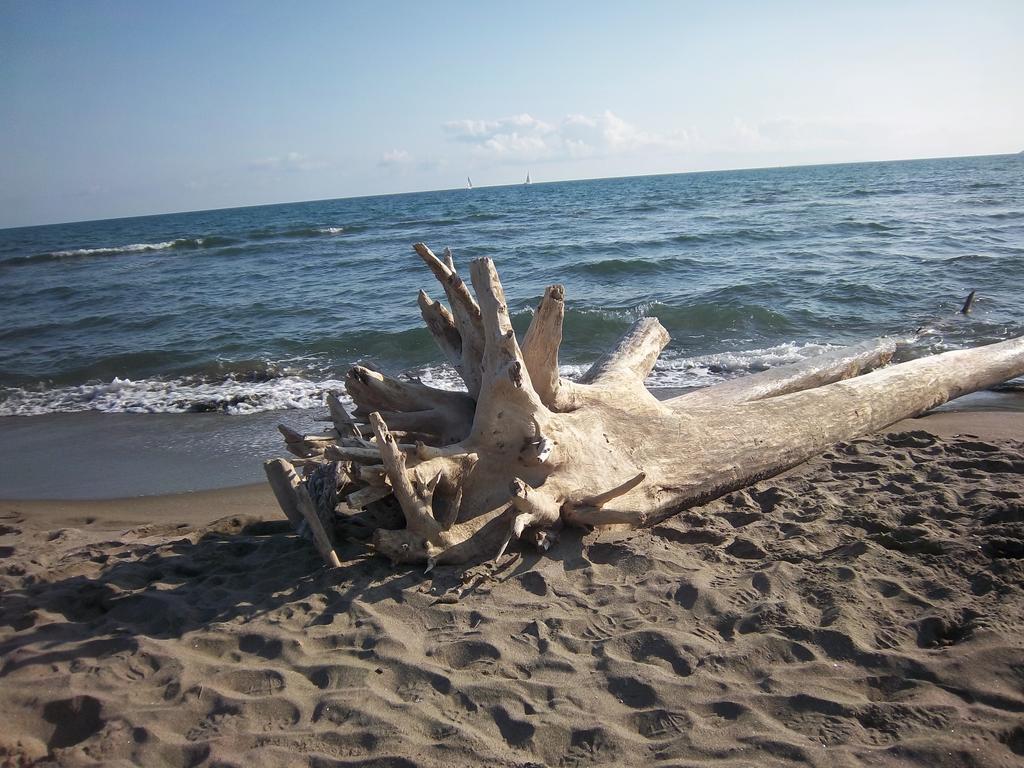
column 619, row 387
column 863, row 609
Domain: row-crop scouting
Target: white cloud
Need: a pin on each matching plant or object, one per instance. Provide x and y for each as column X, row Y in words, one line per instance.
column 474, row 131
column 524, row 138
column 795, row 134
column 395, row 157
column 290, row 162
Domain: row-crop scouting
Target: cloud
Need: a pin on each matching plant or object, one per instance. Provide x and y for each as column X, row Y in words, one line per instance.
column 290, row 162
column 524, row 138
column 793, row 134
column 394, row 157
column 473, row 131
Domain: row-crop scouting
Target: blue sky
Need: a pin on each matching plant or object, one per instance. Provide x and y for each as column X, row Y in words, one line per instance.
column 123, row 108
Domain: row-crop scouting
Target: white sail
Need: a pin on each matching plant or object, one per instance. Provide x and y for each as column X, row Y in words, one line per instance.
column 527, row 178
column 469, row 183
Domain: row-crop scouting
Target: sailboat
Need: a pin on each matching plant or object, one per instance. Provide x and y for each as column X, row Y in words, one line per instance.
column 469, row 183
column 527, row 178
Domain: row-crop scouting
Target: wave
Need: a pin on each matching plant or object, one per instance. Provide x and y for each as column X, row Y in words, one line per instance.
column 305, row 231
column 861, row 192
column 769, row 199
column 238, row 394
column 853, row 225
column 204, row 242
column 685, row 205
column 181, row 243
column 231, row 395
column 314, row 231
column 719, row 236
column 704, row 370
column 421, row 223
column 969, row 258
column 709, row 237
column 587, row 328
column 630, row 266
column 133, row 248
column 715, row 316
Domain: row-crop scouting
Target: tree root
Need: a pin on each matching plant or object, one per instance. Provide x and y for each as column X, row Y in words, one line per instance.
column 523, row 451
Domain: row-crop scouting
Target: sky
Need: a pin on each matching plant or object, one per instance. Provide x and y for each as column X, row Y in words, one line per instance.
column 112, row 109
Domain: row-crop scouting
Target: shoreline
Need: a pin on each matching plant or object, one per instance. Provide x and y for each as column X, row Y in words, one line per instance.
column 190, row 509
column 103, row 456
column 256, row 500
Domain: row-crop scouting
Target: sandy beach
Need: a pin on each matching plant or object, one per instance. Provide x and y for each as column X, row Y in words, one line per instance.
column 393, row 385
column 865, row 609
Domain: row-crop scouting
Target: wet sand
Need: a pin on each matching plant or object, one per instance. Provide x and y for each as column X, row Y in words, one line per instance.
column 864, row 609
column 113, row 455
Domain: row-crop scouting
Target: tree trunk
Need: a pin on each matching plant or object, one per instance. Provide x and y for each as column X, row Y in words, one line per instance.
column 524, row 451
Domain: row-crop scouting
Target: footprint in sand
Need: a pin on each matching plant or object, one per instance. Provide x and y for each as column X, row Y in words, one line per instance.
column 252, row 682
column 632, row 692
column 466, row 653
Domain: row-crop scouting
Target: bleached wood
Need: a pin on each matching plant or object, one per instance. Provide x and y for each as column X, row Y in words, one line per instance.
column 835, row 365
column 541, row 343
column 600, row 499
column 440, row 414
column 278, row 476
column 441, row 325
column 299, row 507
column 418, row 514
column 465, row 315
column 373, row 474
column 320, row 538
column 530, row 507
column 765, row 437
column 367, row 495
column 346, row 453
column 529, row 451
column 306, row 446
column 343, row 422
column 634, row 356
column 424, row 539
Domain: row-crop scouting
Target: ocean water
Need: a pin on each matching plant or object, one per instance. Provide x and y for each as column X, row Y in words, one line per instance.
column 257, row 309
column 262, row 309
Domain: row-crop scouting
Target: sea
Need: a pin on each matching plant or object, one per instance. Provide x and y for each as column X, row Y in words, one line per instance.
column 182, row 339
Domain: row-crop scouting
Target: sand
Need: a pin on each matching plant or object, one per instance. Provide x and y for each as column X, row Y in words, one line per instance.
column 865, row 609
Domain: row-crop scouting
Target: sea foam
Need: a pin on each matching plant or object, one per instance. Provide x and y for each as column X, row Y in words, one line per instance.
column 180, row 395
column 238, row 396
column 183, row 243
column 132, row 248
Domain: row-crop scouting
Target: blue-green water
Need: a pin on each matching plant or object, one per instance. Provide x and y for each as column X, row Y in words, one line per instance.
column 257, row 309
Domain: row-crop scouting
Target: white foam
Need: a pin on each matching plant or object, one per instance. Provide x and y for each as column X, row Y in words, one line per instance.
column 705, row 370
column 441, row 376
column 133, row 248
column 331, row 230
column 238, row 397
column 671, row 371
column 172, row 396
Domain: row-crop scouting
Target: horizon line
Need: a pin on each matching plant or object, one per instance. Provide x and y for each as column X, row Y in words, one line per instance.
column 499, row 186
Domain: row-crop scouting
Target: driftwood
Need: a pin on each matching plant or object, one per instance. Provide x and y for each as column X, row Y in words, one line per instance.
column 523, row 451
